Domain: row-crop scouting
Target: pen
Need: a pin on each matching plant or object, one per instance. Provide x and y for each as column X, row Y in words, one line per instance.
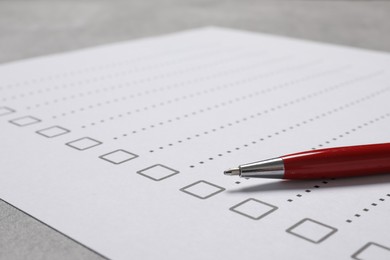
column 348, row 161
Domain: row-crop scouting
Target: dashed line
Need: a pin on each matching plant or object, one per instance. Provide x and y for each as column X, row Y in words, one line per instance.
column 99, row 78
column 177, row 99
column 304, row 122
column 243, row 119
column 365, row 210
column 209, row 108
column 146, row 80
column 101, row 67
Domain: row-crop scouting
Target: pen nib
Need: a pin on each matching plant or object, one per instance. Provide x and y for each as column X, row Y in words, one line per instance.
column 232, row 172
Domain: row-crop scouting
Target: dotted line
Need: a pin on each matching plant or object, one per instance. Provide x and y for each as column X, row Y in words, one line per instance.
column 189, row 96
column 121, row 99
column 217, row 106
column 109, row 76
column 96, row 68
column 367, row 209
column 257, row 114
column 146, row 80
column 352, row 130
column 139, row 94
column 291, row 127
column 317, row 186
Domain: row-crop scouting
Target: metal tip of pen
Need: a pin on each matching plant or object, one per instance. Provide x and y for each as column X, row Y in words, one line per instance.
column 232, row 172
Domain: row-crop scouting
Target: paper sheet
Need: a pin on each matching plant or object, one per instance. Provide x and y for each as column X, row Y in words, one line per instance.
column 122, row 147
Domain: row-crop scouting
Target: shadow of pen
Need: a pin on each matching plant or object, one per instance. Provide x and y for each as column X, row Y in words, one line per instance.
column 285, row 185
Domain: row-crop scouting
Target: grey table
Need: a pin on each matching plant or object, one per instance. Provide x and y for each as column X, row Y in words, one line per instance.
column 32, row 28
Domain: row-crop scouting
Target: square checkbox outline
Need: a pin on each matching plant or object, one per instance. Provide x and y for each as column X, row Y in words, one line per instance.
column 36, row 120
column 289, row 230
column 356, row 254
column 221, row 189
column 9, row 111
column 234, row 209
column 121, row 150
column 65, row 131
column 74, row 141
column 174, row 172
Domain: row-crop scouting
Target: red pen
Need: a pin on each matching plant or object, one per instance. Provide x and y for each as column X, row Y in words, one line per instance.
column 348, row 161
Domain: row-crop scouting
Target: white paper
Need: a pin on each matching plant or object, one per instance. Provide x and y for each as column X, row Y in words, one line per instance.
column 122, row 147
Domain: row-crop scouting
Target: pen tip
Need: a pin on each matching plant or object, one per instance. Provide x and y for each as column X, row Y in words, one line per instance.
column 232, row 172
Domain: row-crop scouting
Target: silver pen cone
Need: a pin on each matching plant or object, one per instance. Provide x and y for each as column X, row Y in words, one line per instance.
column 271, row 168
column 232, row 172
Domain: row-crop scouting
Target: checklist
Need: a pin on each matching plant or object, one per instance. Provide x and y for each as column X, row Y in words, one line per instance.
column 202, row 189
column 122, row 147
column 372, row 251
column 254, row 209
column 5, row 111
column 53, row 131
column 83, row 143
column 311, row 230
column 158, row 172
column 25, row 121
column 118, row 156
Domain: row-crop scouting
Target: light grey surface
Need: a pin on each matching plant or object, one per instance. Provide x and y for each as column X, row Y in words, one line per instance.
column 31, row 28
column 23, row 237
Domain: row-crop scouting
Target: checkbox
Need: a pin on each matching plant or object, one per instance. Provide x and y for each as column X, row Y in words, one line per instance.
column 118, row 156
column 83, row 143
column 253, row 209
column 371, row 251
column 202, row 189
column 158, row 172
column 6, row 111
column 25, row 121
column 311, row 230
column 53, row 131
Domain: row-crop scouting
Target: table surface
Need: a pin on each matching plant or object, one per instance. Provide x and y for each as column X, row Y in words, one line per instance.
column 34, row 28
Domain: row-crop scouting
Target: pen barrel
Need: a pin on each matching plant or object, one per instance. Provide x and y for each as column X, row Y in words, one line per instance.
column 338, row 162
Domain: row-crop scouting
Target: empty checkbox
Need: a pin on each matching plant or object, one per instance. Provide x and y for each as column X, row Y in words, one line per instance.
column 53, row 131
column 83, row 143
column 5, row 111
column 202, row 189
column 118, row 156
column 158, row 172
column 311, row 230
column 25, row 121
column 371, row 251
column 253, row 209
